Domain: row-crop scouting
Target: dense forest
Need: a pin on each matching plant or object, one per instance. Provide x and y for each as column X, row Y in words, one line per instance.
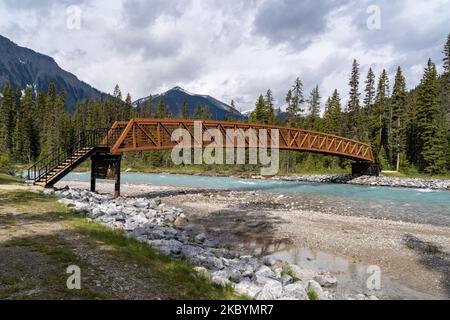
column 408, row 129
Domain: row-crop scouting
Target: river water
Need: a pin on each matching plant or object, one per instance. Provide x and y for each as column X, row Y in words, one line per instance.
column 401, row 204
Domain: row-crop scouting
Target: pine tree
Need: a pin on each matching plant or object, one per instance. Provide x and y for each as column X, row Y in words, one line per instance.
column 185, row 110
column 161, row 110
column 313, row 108
column 369, row 90
column 19, row 135
column 333, row 114
column 398, row 104
column 380, row 115
column 354, row 125
column 259, row 115
column 7, row 123
column 202, row 113
column 128, row 111
column 295, row 101
column 431, row 128
column 117, row 112
column 269, row 106
column 148, row 109
column 30, row 132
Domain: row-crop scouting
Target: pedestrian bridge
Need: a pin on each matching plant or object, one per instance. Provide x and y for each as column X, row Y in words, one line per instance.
column 105, row 146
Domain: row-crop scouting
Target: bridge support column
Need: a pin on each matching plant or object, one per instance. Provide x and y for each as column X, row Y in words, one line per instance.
column 365, row 169
column 117, row 175
column 106, row 166
column 93, row 177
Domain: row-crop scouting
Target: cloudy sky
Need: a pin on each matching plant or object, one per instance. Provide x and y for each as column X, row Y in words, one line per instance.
column 230, row 49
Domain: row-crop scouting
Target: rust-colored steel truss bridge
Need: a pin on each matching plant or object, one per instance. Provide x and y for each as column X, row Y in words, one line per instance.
column 156, row 134
column 105, row 146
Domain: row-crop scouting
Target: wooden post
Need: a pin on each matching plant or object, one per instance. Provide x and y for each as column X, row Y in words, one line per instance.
column 93, row 162
column 117, row 175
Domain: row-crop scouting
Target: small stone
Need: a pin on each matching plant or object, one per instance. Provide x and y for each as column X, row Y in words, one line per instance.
column 200, row 238
column 272, row 290
column 220, row 281
column 202, row 272
column 296, row 291
column 269, row 261
column 286, row 279
column 326, row 280
column 265, row 271
column 247, row 288
column 181, row 222
column 302, row 274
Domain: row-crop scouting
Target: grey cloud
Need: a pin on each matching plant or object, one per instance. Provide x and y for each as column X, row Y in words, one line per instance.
column 149, row 45
column 142, row 13
column 293, row 21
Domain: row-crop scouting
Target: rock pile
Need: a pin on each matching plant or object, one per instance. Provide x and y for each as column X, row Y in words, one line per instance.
column 152, row 222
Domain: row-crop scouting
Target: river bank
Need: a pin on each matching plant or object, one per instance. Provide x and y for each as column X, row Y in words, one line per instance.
column 413, row 257
column 381, row 181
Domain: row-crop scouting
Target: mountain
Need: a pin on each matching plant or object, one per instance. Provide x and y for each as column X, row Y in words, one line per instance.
column 24, row 67
column 175, row 97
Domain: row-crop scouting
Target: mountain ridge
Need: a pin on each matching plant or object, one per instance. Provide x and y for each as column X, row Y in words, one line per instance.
column 174, row 99
column 22, row 67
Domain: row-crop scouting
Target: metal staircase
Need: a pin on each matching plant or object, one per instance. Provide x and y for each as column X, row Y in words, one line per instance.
column 54, row 167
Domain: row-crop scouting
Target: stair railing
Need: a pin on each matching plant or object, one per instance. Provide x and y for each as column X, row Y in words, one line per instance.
column 41, row 170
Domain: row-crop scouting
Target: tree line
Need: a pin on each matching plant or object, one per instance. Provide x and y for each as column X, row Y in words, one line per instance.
column 408, row 129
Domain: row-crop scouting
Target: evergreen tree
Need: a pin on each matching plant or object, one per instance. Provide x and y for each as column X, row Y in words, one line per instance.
column 398, row 104
column 117, row 112
column 313, row 108
column 269, row 106
column 333, row 114
column 380, row 115
column 369, row 90
column 259, row 115
column 202, row 113
column 431, row 128
column 7, row 123
column 295, row 101
column 128, row 111
column 185, row 110
column 161, row 110
column 149, row 110
column 354, row 125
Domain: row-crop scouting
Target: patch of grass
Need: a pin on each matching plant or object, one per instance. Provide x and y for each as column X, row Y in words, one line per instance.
column 312, row 295
column 8, row 220
column 288, row 271
column 396, row 174
column 178, row 280
column 8, row 179
column 15, row 288
column 31, row 201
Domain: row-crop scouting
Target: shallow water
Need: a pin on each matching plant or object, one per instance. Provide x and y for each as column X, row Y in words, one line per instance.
column 412, row 205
